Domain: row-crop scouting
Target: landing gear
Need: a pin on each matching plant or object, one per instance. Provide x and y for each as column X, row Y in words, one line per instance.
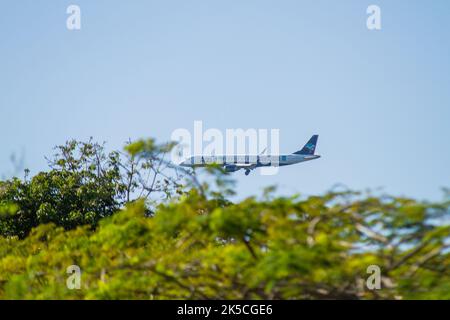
column 247, row 172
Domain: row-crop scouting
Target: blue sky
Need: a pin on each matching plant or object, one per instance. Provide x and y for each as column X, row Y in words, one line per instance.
column 380, row 100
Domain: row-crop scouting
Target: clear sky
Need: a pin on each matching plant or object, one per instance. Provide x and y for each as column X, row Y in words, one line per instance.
column 380, row 100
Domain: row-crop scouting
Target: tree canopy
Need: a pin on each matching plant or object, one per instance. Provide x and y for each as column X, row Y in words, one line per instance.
column 193, row 243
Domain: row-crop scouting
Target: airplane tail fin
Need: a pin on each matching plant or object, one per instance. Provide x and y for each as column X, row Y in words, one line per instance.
column 309, row 147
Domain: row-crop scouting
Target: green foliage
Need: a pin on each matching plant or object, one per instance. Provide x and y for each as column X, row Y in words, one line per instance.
column 82, row 187
column 140, row 228
column 85, row 184
column 200, row 248
column 7, row 210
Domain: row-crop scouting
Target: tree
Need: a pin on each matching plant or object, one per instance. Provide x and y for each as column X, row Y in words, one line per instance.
column 140, row 228
column 85, row 184
column 195, row 247
column 82, row 187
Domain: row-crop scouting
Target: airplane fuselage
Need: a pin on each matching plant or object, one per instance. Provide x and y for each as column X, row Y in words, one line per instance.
column 236, row 162
column 233, row 163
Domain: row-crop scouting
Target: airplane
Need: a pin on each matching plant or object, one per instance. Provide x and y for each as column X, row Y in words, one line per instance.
column 232, row 163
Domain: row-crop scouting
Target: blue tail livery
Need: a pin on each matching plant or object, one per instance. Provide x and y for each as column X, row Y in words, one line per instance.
column 310, row 146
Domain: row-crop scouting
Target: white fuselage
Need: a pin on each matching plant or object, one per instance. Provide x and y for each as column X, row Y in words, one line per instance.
column 233, row 163
column 250, row 161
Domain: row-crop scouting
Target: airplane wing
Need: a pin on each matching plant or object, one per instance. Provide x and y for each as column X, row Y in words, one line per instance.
column 245, row 165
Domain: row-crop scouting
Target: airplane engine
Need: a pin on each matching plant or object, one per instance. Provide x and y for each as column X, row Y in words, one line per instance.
column 231, row 168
